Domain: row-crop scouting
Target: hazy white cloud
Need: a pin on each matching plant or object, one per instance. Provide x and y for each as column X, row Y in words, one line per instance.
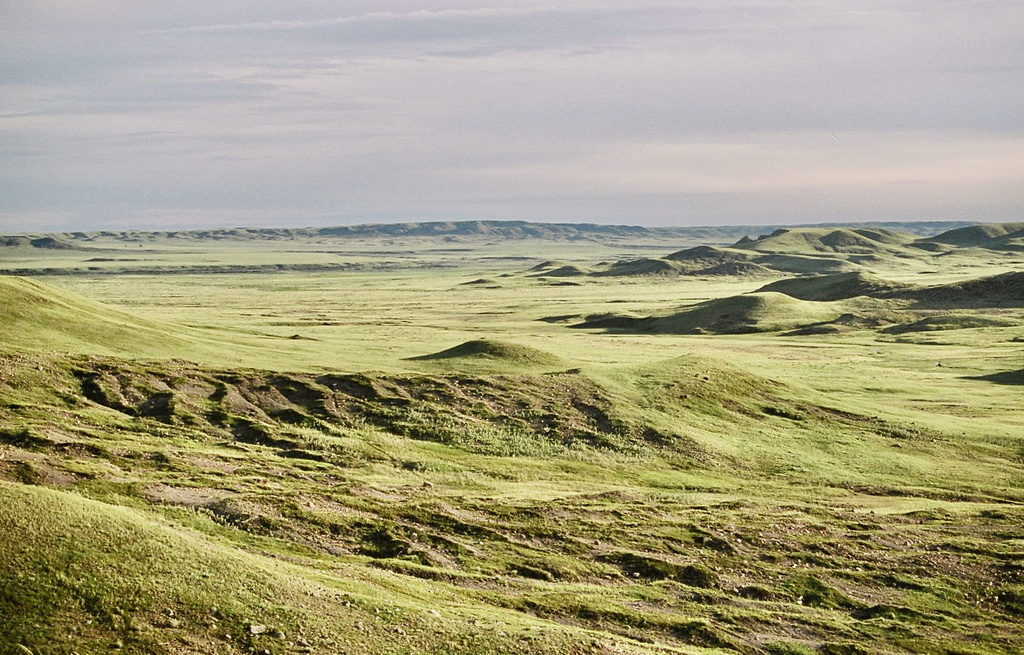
column 116, row 114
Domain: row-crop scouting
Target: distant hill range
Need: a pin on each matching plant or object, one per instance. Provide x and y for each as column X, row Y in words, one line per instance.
column 812, row 305
column 813, row 251
column 456, row 230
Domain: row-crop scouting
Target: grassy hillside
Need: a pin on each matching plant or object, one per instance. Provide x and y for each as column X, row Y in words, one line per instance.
column 841, row 240
column 423, row 457
column 833, row 287
column 38, row 316
column 983, row 236
column 832, row 251
column 1003, row 290
column 756, row 312
column 685, row 504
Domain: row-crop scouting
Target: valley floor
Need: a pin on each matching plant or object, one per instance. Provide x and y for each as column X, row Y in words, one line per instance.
column 430, row 458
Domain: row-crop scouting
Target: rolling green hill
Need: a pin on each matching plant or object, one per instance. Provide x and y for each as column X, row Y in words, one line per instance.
column 493, row 356
column 393, row 452
column 37, row 316
column 824, row 240
column 986, row 235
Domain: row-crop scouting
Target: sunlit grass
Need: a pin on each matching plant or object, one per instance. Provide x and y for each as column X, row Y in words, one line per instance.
column 182, row 459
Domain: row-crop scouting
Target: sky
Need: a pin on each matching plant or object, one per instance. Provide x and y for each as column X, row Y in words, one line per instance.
column 196, row 114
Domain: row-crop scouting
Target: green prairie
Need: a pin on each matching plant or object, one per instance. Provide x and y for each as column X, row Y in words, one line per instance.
column 487, row 438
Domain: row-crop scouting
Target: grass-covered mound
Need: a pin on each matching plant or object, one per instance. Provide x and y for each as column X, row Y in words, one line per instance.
column 640, row 267
column 755, row 312
column 547, row 265
column 494, row 353
column 833, row 287
column 706, row 256
column 806, row 264
column 747, row 313
column 952, row 322
column 567, row 270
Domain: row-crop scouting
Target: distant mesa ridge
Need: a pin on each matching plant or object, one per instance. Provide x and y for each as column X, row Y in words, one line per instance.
column 497, row 229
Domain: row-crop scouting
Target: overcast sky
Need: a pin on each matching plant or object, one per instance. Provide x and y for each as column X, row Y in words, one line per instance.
column 263, row 112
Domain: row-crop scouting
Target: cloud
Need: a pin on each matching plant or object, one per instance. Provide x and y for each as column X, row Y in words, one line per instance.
column 685, row 111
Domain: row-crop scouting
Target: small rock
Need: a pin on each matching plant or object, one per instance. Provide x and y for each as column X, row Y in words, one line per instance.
column 278, row 634
column 255, row 629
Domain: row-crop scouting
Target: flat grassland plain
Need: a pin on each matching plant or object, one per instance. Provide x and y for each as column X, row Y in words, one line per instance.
column 496, row 438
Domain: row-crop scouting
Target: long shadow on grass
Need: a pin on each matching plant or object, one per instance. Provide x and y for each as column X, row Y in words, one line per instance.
column 1006, row 377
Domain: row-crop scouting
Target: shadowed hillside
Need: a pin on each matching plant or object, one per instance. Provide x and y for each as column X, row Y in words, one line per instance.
column 951, row 322
column 755, row 312
column 834, row 287
column 823, row 240
column 640, row 267
column 1003, row 290
column 1000, row 236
